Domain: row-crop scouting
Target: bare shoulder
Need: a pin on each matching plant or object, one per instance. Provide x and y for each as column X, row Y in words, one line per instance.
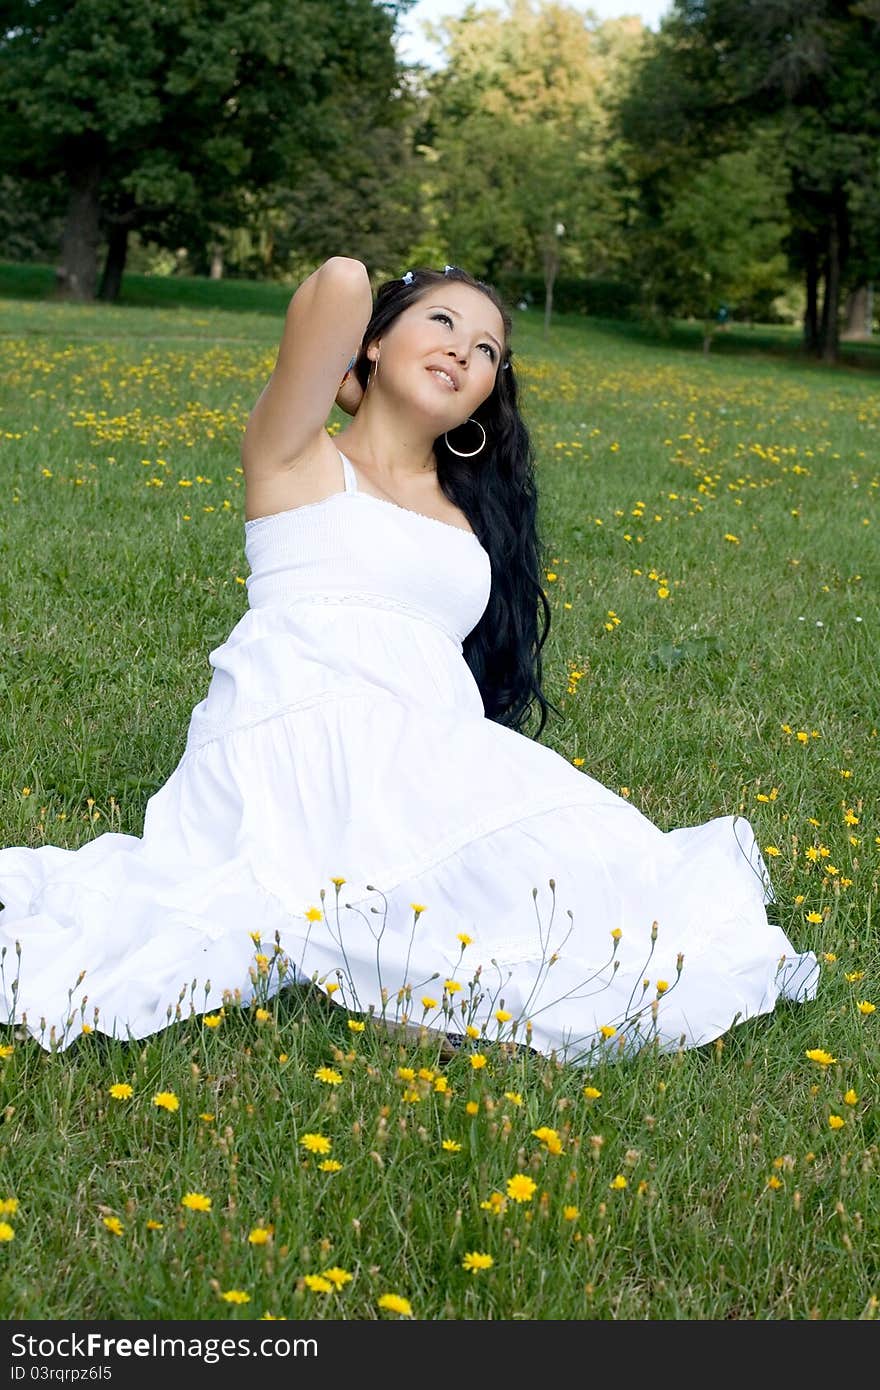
column 315, row 473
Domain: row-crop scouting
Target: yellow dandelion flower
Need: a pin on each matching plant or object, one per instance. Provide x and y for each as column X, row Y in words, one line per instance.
column 428, row 1002
column 451, row 1146
column 262, row 1015
column 6, row 1231
column 260, row 1235
column 235, row 1296
column 571, row 1213
column 836, row 1121
column 503, row 1016
column 354, row 1026
column 8, row 1206
column 514, row 1097
column 618, row 1183
column 406, row 1073
column 316, row 1143
column 6, row 1050
column 495, row 1203
column 330, row 1165
column 616, row 934
column 329, row 1076
column 472, row 1032
column 314, row 914
column 155, row 1225
column 317, row 1283
column 331, row 988
column 207, row 1117
column 478, row 1060
column 814, row 917
column 441, row 1085
column 120, row 1090
column 864, row 1006
column 465, row 939
column 113, row 1224
column 591, row 1093
column 196, row 1201
column 212, row 1020
column 395, row 1303
column 418, row 907
column 338, row 1277
column 662, row 986
column 854, row 976
column 774, row 1183
column 472, row 1107
column 607, row 1031
column 521, row 1188
column 549, row 1138
column 476, row 1260
column 850, row 1098
column 166, row 1100
column 451, row 986
column 818, row 1054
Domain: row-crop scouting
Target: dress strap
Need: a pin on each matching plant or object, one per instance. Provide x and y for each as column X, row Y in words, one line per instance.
column 348, row 470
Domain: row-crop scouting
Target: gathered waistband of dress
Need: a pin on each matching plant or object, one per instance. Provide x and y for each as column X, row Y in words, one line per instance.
column 300, row 598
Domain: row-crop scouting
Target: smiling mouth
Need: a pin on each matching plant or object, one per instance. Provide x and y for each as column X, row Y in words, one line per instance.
column 444, row 376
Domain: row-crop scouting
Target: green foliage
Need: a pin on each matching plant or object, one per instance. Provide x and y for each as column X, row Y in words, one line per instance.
column 211, row 104
column 721, row 76
column 610, row 299
column 516, row 129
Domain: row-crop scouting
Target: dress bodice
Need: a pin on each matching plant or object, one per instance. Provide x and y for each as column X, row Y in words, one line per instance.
column 352, row 547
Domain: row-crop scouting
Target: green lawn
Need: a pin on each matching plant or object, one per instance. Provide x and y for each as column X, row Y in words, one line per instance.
column 711, row 563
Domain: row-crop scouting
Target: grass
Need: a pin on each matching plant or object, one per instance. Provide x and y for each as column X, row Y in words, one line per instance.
column 711, row 567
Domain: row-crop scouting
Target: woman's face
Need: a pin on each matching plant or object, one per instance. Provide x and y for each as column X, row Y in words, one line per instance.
column 443, row 353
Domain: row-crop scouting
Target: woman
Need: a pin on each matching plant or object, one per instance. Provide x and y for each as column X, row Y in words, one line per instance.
column 361, row 747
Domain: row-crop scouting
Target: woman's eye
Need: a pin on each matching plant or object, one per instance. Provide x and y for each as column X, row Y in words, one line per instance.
column 445, row 317
column 490, row 351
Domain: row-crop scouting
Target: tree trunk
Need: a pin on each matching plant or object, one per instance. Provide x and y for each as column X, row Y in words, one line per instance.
column 811, row 313
column 114, row 265
column 858, row 323
column 216, row 262
column 834, row 266
column 551, row 265
column 77, row 275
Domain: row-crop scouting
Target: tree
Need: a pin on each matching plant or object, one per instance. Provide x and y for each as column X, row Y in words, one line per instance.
column 516, row 133
column 171, row 115
column 720, row 70
column 724, row 231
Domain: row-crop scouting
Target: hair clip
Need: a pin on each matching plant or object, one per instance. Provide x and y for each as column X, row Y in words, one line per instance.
column 408, row 278
column 447, row 268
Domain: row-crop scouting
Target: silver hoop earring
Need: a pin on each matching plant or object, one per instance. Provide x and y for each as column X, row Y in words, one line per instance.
column 480, row 447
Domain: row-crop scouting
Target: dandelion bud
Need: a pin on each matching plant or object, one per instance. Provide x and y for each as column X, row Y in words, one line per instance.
column 654, row 931
column 679, row 962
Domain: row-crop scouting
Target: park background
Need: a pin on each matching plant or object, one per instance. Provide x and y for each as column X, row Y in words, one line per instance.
column 688, row 211
column 721, row 165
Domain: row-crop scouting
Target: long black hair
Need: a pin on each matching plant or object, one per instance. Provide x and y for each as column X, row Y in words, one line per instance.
column 498, row 495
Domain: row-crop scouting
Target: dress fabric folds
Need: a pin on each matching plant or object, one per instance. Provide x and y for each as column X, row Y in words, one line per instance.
column 344, row 813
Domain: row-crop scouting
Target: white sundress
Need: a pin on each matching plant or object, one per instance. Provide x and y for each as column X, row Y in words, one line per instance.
column 343, row 736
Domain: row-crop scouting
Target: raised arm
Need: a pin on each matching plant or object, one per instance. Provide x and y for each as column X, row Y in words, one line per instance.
column 323, row 328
